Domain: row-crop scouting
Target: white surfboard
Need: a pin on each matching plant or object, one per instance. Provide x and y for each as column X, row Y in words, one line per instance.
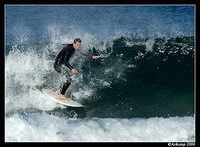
column 55, row 97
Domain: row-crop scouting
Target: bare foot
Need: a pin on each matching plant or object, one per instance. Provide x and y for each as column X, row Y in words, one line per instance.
column 62, row 97
column 57, row 92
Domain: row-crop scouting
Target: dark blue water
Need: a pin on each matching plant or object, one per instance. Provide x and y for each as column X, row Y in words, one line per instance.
column 146, row 69
column 35, row 23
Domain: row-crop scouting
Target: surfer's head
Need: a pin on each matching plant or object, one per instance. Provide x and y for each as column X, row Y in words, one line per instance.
column 77, row 43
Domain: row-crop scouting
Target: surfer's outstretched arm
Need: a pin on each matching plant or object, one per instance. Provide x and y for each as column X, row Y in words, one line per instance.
column 89, row 55
column 95, row 57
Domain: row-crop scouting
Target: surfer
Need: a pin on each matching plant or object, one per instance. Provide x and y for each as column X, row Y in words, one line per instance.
column 63, row 59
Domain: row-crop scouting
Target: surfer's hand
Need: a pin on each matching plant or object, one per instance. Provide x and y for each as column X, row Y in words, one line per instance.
column 95, row 57
column 74, row 71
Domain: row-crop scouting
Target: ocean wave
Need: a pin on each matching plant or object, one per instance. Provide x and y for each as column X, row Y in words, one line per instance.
column 143, row 77
column 44, row 127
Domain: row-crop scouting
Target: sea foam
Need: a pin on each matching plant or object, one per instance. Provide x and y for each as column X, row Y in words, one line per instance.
column 46, row 127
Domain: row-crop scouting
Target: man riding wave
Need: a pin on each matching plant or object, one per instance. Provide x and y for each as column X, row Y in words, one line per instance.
column 63, row 59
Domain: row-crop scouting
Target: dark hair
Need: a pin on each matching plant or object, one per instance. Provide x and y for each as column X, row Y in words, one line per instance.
column 77, row 40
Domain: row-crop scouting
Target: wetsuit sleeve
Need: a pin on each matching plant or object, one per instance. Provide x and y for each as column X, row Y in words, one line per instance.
column 68, row 65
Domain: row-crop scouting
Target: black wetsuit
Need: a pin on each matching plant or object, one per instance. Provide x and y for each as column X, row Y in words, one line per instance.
column 64, row 56
column 63, row 59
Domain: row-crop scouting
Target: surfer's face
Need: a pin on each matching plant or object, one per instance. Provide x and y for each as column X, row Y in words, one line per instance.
column 77, row 45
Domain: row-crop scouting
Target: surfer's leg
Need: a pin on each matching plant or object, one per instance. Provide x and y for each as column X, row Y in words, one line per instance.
column 66, row 82
column 58, row 68
column 63, row 90
column 65, row 85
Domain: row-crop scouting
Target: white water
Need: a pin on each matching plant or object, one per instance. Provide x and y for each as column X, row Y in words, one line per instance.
column 45, row 127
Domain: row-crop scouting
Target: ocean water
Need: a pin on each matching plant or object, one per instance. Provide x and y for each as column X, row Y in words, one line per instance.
column 141, row 89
